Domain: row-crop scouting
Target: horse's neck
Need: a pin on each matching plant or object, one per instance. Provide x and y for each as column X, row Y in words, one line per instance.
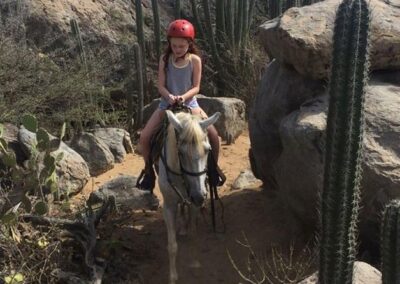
column 172, row 150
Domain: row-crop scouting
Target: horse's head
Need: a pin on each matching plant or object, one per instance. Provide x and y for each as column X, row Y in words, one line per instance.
column 193, row 148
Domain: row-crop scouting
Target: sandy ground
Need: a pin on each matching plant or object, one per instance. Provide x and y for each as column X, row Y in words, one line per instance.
column 139, row 239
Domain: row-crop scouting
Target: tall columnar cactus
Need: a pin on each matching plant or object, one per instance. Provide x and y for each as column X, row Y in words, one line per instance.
column 220, row 21
column 196, row 17
column 390, row 243
column 77, row 33
column 141, row 40
column 157, row 32
column 139, row 78
column 213, row 45
column 178, row 9
column 345, row 127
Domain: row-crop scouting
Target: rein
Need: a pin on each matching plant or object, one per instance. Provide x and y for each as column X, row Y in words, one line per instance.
column 211, row 172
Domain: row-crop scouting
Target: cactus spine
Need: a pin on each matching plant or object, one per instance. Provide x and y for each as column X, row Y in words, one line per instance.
column 157, row 32
column 345, row 125
column 390, row 243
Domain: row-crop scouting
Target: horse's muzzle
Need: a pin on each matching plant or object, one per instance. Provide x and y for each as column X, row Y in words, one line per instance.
column 198, row 199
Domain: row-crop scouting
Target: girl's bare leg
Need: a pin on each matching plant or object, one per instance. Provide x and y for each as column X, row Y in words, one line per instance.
column 148, row 131
column 212, row 133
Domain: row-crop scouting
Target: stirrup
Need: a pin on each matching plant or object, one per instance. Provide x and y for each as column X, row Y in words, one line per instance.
column 146, row 180
column 220, row 176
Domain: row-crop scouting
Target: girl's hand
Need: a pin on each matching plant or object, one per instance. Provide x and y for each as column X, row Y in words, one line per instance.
column 180, row 99
column 171, row 99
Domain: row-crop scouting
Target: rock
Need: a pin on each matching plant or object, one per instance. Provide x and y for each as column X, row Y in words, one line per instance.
column 96, row 154
column 72, row 170
column 299, row 169
column 231, row 123
column 245, row 179
column 281, row 91
column 10, row 135
column 302, row 37
column 233, row 115
column 118, row 141
column 363, row 273
column 126, row 194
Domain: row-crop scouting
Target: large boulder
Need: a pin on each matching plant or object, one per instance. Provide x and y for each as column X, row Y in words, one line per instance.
column 363, row 273
column 117, row 140
column 96, row 154
column 232, row 121
column 299, row 169
column 127, row 196
column 281, row 91
column 302, row 37
column 72, row 170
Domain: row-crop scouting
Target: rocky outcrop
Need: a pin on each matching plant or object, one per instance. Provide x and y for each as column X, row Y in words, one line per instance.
column 288, row 118
column 299, row 168
column 281, row 91
column 302, row 37
column 232, row 121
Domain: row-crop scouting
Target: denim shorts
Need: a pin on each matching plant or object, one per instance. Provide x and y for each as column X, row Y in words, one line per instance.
column 190, row 104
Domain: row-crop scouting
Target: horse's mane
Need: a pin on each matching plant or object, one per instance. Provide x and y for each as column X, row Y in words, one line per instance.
column 192, row 134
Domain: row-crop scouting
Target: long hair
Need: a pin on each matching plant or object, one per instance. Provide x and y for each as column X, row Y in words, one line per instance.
column 192, row 49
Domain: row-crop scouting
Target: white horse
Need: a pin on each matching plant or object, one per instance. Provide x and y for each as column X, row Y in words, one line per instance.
column 182, row 172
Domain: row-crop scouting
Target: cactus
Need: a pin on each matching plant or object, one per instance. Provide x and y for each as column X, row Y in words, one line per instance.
column 345, row 126
column 39, row 180
column 157, row 32
column 141, row 41
column 196, row 17
column 214, row 50
column 220, row 29
column 139, row 78
column 77, row 33
column 178, row 9
column 390, row 243
column 230, row 20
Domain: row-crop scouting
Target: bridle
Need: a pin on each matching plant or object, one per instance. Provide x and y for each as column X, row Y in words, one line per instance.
column 212, row 188
column 183, row 172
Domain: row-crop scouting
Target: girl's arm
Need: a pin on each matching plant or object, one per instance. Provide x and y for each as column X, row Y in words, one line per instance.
column 196, row 61
column 161, row 82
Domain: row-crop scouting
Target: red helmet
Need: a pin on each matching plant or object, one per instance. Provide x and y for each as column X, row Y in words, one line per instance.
column 181, row 28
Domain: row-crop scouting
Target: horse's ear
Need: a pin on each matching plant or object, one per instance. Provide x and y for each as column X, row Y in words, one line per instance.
column 174, row 120
column 211, row 120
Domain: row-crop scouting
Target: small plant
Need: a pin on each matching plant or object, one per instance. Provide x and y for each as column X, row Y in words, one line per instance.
column 39, row 174
column 278, row 267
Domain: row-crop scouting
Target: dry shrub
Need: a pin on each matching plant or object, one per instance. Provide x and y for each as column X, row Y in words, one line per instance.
column 278, row 266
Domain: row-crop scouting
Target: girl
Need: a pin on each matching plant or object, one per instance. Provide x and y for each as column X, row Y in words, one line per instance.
column 179, row 76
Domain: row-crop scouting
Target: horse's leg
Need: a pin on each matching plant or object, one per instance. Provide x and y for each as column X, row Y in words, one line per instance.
column 170, row 220
column 192, row 231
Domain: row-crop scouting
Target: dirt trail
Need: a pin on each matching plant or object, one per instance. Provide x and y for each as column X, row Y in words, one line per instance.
column 140, row 240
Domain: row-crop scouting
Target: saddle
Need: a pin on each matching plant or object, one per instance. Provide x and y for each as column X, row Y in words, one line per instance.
column 147, row 177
